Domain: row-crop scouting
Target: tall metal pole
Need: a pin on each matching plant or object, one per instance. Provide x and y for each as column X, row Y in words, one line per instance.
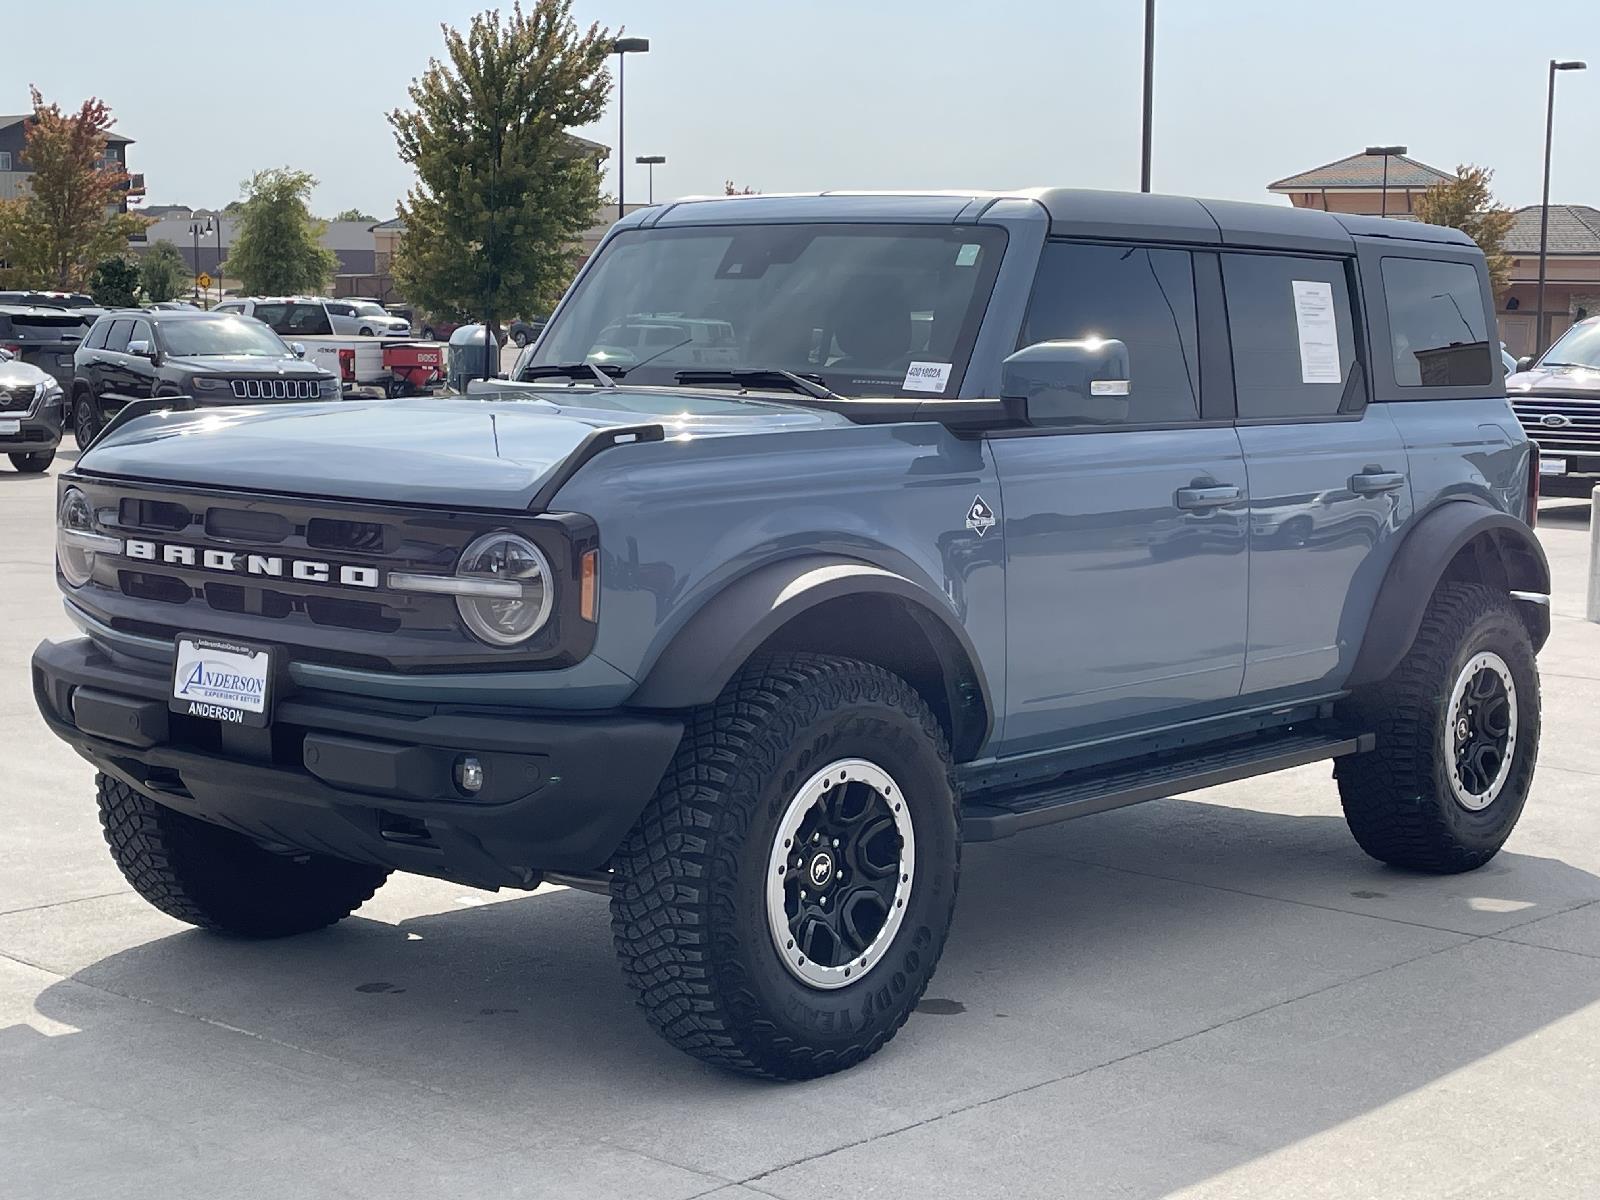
column 622, row 170
column 219, row 256
column 1544, row 210
column 194, row 229
column 1149, row 90
column 652, row 183
column 1383, row 194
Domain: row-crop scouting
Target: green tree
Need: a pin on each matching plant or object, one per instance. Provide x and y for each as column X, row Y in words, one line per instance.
column 355, row 214
column 164, row 271
column 70, row 219
column 1467, row 204
column 276, row 246
column 493, row 225
column 115, row 283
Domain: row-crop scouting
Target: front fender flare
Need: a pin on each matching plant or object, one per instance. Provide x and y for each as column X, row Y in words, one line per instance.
column 718, row 639
column 1419, row 564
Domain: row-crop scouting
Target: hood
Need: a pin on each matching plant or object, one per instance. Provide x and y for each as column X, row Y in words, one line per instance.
column 490, row 451
column 1555, row 380
column 16, row 373
column 246, row 364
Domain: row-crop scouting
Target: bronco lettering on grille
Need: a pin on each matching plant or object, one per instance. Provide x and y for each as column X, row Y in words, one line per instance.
column 267, row 566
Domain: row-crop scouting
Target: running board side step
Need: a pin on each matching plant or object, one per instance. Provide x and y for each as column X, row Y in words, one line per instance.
column 992, row 816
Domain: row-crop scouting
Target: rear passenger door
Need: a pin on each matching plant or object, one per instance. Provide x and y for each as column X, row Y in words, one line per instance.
column 1328, row 473
column 1125, row 539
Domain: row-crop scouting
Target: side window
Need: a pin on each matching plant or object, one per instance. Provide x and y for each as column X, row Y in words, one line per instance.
column 1437, row 327
column 1142, row 297
column 273, row 315
column 308, row 319
column 230, row 308
column 117, row 338
column 1293, row 333
column 141, row 333
column 97, row 336
column 341, row 310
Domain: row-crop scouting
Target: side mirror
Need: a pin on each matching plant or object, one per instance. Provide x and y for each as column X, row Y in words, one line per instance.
column 1525, row 363
column 1082, row 382
column 5, row 355
column 298, row 349
column 140, row 348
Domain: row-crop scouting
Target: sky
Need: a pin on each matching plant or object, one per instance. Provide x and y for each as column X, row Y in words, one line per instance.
column 802, row 95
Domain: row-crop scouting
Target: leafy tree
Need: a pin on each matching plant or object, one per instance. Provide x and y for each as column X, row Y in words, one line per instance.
column 355, row 214
column 115, row 282
column 276, row 248
column 493, row 225
column 1466, row 203
column 164, row 271
column 69, row 220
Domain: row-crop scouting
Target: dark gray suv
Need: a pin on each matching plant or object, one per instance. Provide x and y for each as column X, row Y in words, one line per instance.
column 915, row 520
column 217, row 358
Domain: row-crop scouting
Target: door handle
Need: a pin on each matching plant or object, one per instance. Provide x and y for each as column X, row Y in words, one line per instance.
column 1370, row 483
column 1207, row 497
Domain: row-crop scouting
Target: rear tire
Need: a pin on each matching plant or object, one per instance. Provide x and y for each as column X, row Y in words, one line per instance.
column 1458, row 735
column 34, row 463
column 427, row 333
column 221, row 880
column 520, row 338
column 801, row 754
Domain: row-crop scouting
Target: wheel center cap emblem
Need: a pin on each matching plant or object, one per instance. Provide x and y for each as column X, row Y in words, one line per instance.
column 821, row 868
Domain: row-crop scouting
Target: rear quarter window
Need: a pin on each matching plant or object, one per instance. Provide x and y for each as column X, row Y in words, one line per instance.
column 1293, row 334
column 1438, row 330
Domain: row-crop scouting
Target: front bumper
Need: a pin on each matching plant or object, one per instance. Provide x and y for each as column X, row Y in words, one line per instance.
column 39, row 429
column 369, row 780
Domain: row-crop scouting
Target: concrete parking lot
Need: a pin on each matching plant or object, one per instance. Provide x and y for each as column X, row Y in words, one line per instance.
column 1213, row 996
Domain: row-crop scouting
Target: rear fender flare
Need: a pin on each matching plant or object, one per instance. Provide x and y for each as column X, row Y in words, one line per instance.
column 1503, row 544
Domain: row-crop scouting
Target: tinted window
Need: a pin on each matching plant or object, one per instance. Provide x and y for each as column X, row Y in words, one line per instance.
column 1437, row 326
column 305, row 319
column 97, row 336
column 141, row 333
column 274, row 315
column 117, row 339
column 342, row 310
column 1294, row 345
column 1143, row 298
column 229, row 308
column 225, row 335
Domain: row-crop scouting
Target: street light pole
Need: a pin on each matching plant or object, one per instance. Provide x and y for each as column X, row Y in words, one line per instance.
column 194, row 230
column 1149, row 90
column 650, row 160
column 623, row 47
column 1383, row 195
column 1544, row 205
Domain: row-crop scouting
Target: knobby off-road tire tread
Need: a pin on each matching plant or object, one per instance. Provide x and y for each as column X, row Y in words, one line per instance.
column 683, row 971
column 173, row 862
column 1392, row 794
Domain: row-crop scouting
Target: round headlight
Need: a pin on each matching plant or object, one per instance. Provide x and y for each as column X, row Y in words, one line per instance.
column 75, row 558
column 518, row 607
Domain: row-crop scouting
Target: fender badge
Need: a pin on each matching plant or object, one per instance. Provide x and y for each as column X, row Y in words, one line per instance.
column 980, row 517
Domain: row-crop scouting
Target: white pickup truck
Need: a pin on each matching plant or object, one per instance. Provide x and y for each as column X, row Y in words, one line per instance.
column 354, row 359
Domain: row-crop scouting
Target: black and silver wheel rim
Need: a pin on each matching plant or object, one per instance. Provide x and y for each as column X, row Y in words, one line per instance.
column 840, row 874
column 83, row 429
column 1480, row 733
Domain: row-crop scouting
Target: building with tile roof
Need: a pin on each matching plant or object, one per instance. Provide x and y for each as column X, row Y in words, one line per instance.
column 1572, row 274
column 1355, row 184
column 15, row 172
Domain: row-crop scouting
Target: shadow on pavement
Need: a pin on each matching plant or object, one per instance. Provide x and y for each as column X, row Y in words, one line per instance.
column 1072, row 952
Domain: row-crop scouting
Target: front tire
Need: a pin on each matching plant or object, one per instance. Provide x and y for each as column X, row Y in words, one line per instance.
column 221, row 880
column 734, row 951
column 34, row 463
column 86, row 420
column 1458, row 735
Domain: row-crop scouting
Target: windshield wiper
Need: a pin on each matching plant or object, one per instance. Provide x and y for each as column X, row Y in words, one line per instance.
column 809, row 385
column 600, row 373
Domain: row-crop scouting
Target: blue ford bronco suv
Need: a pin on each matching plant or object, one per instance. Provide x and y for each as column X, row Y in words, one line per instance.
column 816, row 535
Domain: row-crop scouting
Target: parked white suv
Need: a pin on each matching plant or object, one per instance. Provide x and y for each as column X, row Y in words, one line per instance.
column 313, row 315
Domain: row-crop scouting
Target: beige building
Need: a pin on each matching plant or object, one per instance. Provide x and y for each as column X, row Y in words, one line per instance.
column 1357, row 185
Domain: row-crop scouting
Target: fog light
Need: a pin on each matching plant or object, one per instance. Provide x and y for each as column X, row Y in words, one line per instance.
column 469, row 774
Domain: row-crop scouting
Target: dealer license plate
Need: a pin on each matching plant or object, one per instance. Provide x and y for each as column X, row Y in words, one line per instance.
column 222, row 681
column 10, row 427
column 1552, row 466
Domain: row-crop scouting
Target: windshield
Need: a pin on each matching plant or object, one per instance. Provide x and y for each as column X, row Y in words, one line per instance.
column 369, row 309
column 870, row 310
column 1578, row 347
column 232, row 336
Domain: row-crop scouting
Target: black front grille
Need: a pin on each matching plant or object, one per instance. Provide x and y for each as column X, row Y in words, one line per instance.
column 275, row 389
column 17, row 399
column 1559, row 424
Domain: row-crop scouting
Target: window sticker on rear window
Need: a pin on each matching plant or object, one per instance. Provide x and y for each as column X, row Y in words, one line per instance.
column 1319, row 332
column 927, row 377
column 967, row 255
